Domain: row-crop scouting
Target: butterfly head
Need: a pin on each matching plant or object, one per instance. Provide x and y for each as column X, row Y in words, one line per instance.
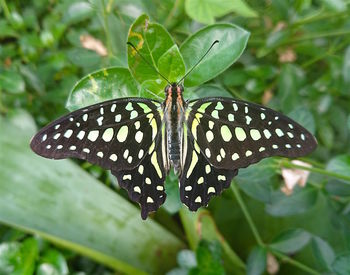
column 174, row 88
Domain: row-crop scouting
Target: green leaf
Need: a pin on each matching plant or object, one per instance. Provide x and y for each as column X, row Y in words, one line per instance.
column 323, row 252
column 256, row 262
column 335, row 5
column 47, row 269
column 186, row 259
column 205, row 90
column 102, row 85
column 256, row 180
column 341, row 264
column 205, row 11
column 346, row 66
column 64, row 204
column 208, row 256
column 77, row 12
column 12, row 82
column 300, row 201
column 340, row 165
column 84, row 58
column 56, row 259
column 18, row 258
column 209, row 231
column 171, row 64
column 155, row 44
column 173, row 202
column 232, row 42
column 291, row 241
column 289, row 83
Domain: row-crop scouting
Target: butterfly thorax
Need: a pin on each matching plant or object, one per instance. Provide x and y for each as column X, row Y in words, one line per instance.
column 174, row 114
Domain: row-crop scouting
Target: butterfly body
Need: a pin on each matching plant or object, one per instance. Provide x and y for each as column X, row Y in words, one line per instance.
column 174, row 110
column 206, row 141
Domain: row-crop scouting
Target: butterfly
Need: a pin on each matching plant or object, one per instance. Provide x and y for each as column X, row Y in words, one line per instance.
column 206, row 141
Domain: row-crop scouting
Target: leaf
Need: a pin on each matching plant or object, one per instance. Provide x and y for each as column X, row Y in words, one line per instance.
column 206, row 90
column 100, row 86
column 299, row 202
column 346, row 66
column 171, row 64
column 256, row 180
column 201, row 225
column 12, row 82
column 208, row 256
column 155, row 44
column 232, row 42
column 341, row 264
column 256, row 263
column 291, row 241
column 18, row 258
column 84, row 58
column 340, row 165
column 186, row 259
column 323, row 252
column 64, row 204
column 56, row 259
column 289, row 82
column 47, row 269
column 77, row 12
column 205, row 11
column 173, row 202
column 335, row 5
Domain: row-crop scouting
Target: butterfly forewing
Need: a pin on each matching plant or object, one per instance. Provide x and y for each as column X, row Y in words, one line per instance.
column 113, row 134
column 232, row 134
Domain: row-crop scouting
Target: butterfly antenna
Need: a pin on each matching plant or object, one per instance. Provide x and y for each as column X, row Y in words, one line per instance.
column 149, row 64
column 199, row 61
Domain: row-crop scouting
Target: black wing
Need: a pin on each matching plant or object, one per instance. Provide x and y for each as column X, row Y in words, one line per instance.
column 233, row 134
column 223, row 135
column 122, row 135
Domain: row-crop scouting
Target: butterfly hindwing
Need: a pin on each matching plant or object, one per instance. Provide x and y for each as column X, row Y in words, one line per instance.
column 145, row 183
column 233, row 134
column 200, row 180
column 113, row 134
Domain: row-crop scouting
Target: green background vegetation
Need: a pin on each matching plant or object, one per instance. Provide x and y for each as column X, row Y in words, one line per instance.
column 69, row 217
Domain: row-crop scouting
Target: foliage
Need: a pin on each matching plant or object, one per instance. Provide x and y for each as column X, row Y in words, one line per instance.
column 292, row 56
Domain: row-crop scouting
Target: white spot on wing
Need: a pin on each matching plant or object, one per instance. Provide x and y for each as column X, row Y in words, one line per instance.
column 139, row 136
column 255, row 134
column 225, row 133
column 68, row 133
column 240, row 134
column 117, row 118
column 108, row 134
column 235, row 156
column 81, row 135
column 122, row 133
column 99, row 120
column 209, row 135
column 113, row 157
column 93, row 135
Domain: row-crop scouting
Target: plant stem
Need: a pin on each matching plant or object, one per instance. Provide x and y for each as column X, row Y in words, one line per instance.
column 6, row 9
column 246, row 214
column 293, row 262
column 258, row 237
column 287, row 164
column 106, row 29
